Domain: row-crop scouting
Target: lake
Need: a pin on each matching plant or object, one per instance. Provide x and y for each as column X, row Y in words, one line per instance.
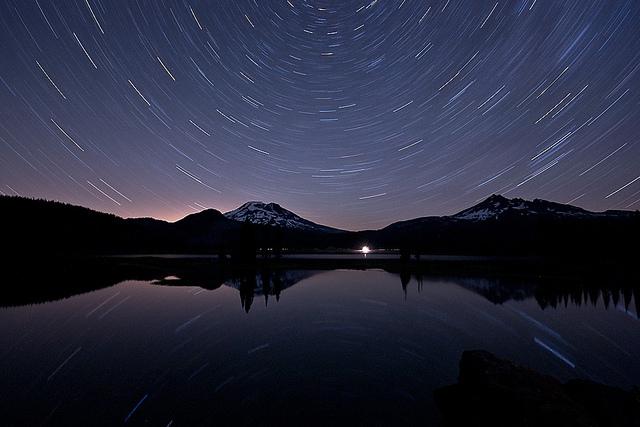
column 299, row 346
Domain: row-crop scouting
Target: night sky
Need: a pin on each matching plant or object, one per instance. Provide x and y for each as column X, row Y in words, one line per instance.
column 351, row 113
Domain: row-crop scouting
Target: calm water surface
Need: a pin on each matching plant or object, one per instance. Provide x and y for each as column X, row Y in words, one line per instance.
column 305, row 347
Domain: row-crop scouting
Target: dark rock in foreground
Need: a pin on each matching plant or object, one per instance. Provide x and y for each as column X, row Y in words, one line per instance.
column 496, row 392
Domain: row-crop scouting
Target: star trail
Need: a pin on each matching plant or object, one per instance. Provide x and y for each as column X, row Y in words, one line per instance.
column 354, row 114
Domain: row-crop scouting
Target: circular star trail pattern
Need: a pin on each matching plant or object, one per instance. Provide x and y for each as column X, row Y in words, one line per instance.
column 351, row 113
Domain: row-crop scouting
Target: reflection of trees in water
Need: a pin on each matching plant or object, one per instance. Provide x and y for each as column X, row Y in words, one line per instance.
column 616, row 296
column 59, row 279
column 265, row 282
column 246, row 285
column 55, row 279
column 250, row 282
column 405, row 280
column 547, row 293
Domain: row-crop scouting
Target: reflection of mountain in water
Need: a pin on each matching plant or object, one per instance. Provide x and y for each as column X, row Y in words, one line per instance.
column 248, row 282
column 498, row 290
column 547, row 293
column 64, row 278
column 266, row 283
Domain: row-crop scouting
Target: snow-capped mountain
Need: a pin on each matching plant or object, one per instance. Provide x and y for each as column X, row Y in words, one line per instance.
column 497, row 206
column 274, row 214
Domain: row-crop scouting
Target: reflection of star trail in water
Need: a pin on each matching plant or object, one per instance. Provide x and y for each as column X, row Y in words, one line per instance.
column 554, row 352
column 387, row 109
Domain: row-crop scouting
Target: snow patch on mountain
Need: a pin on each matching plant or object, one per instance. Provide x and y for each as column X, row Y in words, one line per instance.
column 493, row 207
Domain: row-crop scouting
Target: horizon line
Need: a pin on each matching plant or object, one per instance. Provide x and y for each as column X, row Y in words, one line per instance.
column 478, row 201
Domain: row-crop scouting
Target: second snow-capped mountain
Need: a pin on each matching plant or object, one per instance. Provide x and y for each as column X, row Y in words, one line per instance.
column 498, row 207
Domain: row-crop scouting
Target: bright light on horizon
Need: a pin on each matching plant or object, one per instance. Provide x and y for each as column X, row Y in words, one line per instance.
column 365, row 250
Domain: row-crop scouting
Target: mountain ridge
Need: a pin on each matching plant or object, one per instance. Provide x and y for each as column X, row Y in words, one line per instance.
column 495, row 226
column 496, row 205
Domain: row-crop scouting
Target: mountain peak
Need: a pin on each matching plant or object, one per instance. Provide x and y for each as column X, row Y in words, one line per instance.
column 496, row 206
column 273, row 214
column 260, row 205
column 496, row 198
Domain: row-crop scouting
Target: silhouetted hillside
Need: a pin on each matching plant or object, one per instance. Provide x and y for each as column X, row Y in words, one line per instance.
column 48, row 227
